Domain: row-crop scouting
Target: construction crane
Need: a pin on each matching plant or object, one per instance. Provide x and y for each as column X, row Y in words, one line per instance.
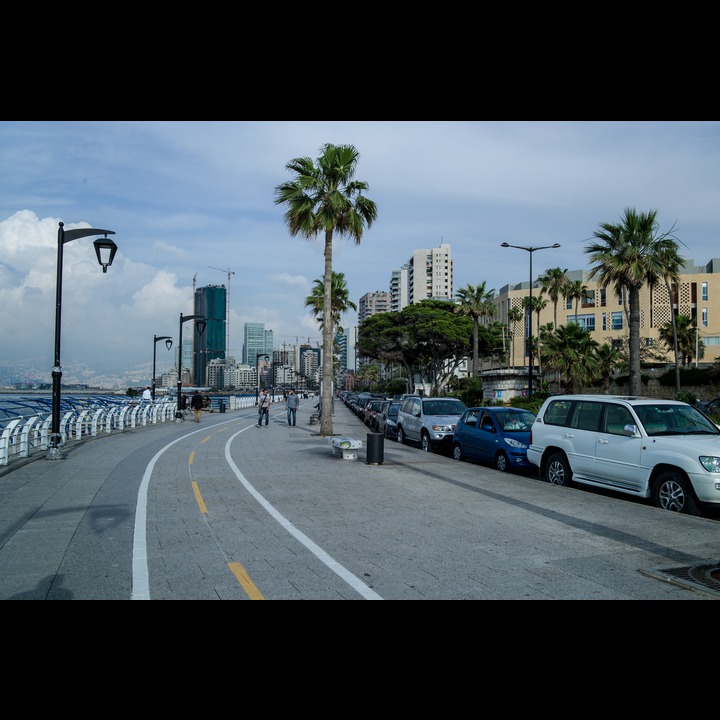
column 227, row 309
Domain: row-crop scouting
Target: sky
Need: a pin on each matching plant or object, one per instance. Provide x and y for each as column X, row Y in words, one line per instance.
column 192, row 201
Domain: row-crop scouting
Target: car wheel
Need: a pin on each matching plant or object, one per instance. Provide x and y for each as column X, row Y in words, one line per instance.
column 558, row 470
column 425, row 443
column 401, row 436
column 457, row 453
column 501, row 462
column 671, row 491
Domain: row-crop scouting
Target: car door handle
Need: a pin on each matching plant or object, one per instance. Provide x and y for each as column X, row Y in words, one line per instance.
column 603, row 441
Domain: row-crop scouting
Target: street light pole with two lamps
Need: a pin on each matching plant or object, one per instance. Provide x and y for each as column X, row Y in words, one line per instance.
column 200, row 323
column 105, row 250
column 530, row 251
column 168, row 344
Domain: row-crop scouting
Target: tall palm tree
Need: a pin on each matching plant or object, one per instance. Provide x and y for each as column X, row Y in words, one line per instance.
column 476, row 302
column 340, row 300
column 575, row 290
column 553, row 284
column 325, row 198
column 572, row 353
column 628, row 255
column 514, row 316
column 671, row 265
column 609, row 358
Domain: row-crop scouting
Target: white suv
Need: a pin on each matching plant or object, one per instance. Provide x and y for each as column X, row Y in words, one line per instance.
column 429, row 421
column 666, row 450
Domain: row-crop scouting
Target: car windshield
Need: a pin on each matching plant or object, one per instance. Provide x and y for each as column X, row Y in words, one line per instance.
column 443, row 407
column 519, row 421
column 674, row 420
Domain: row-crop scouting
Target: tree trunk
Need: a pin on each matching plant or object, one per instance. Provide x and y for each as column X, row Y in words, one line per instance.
column 326, row 426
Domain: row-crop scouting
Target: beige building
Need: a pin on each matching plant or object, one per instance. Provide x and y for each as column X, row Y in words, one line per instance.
column 603, row 311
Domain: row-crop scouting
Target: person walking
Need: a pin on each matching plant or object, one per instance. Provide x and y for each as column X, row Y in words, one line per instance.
column 293, row 402
column 197, row 405
column 264, row 408
column 147, row 395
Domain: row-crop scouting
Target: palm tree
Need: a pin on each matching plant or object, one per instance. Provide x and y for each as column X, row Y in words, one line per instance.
column 609, row 358
column 515, row 315
column 627, row 256
column 476, row 302
column 325, row 198
column 683, row 333
column 538, row 305
column 553, row 283
column 672, row 263
column 575, row 290
column 340, row 301
column 572, row 353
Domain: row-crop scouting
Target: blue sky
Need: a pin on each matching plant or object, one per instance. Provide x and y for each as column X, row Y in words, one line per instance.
column 185, row 197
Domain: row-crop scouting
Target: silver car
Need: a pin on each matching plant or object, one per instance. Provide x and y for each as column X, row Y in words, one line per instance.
column 429, row 421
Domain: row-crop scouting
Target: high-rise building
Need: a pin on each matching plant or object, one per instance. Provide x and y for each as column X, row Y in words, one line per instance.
column 372, row 303
column 210, row 301
column 430, row 275
column 253, row 342
column 399, row 288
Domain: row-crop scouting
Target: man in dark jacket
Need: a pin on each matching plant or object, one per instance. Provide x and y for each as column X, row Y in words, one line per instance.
column 197, row 405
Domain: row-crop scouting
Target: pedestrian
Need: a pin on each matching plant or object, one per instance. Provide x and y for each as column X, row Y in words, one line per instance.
column 264, row 408
column 197, row 405
column 293, row 402
column 147, row 395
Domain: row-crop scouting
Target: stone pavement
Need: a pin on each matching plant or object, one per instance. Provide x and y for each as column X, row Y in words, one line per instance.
column 413, row 526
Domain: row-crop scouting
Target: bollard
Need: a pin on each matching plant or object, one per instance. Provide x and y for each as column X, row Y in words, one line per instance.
column 222, row 406
column 375, row 448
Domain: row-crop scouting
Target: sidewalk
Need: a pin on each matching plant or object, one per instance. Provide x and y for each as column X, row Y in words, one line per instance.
column 414, row 526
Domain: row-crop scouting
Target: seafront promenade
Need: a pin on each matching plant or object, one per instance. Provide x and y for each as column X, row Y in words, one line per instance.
column 225, row 510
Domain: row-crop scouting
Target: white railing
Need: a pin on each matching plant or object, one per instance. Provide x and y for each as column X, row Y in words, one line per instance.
column 21, row 435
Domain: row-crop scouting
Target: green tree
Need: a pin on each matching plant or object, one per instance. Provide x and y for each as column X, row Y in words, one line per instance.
column 575, row 290
column 553, row 285
column 340, row 300
column 628, row 255
column 683, row 333
column 670, row 272
column 475, row 302
column 609, row 360
column 515, row 315
column 325, row 198
column 571, row 353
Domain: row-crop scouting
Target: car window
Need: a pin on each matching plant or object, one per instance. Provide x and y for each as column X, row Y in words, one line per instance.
column 616, row 418
column 587, row 415
column 471, row 418
column 486, row 422
column 557, row 412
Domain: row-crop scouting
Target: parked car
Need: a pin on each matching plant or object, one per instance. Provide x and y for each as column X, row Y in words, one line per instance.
column 497, row 435
column 429, row 421
column 387, row 420
column 710, row 407
column 370, row 413
column 665, row 450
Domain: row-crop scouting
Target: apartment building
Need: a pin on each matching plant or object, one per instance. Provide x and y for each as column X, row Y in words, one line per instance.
column 603, row 312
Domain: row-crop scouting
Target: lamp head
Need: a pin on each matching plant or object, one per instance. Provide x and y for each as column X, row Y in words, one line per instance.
column 168, row 343
column 200, row 325
column 556, row 245
column 504, row 244
column 105, row 250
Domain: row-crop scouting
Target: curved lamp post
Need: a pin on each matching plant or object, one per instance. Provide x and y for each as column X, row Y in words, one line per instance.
column 530, row 251
column 200, row 323
column 105, row 250
column 168, row 344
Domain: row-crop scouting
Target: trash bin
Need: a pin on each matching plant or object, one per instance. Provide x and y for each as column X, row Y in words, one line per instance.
column 221, row 403
column 375, row 448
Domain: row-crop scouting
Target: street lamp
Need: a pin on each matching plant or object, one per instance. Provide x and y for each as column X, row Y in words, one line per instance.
column 168, row 344
column 200, row 323
column 105, row 250
column 530, row 251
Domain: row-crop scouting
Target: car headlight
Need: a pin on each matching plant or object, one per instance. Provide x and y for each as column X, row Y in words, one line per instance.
column 516, row 444
column 710, row 463
column 442, row 428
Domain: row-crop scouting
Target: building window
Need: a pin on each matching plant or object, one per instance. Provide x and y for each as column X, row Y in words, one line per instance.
column 617, row 321
column 604, row 321
column 704, row 317
column 704, row 291
column 587, row 322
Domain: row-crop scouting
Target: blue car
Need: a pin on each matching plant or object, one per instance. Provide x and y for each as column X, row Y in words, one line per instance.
column 496, row 435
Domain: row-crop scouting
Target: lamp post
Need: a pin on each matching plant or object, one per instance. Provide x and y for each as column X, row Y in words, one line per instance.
column 530, row 251
column 169, row 344
column 105, row 250
column 200, row 323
